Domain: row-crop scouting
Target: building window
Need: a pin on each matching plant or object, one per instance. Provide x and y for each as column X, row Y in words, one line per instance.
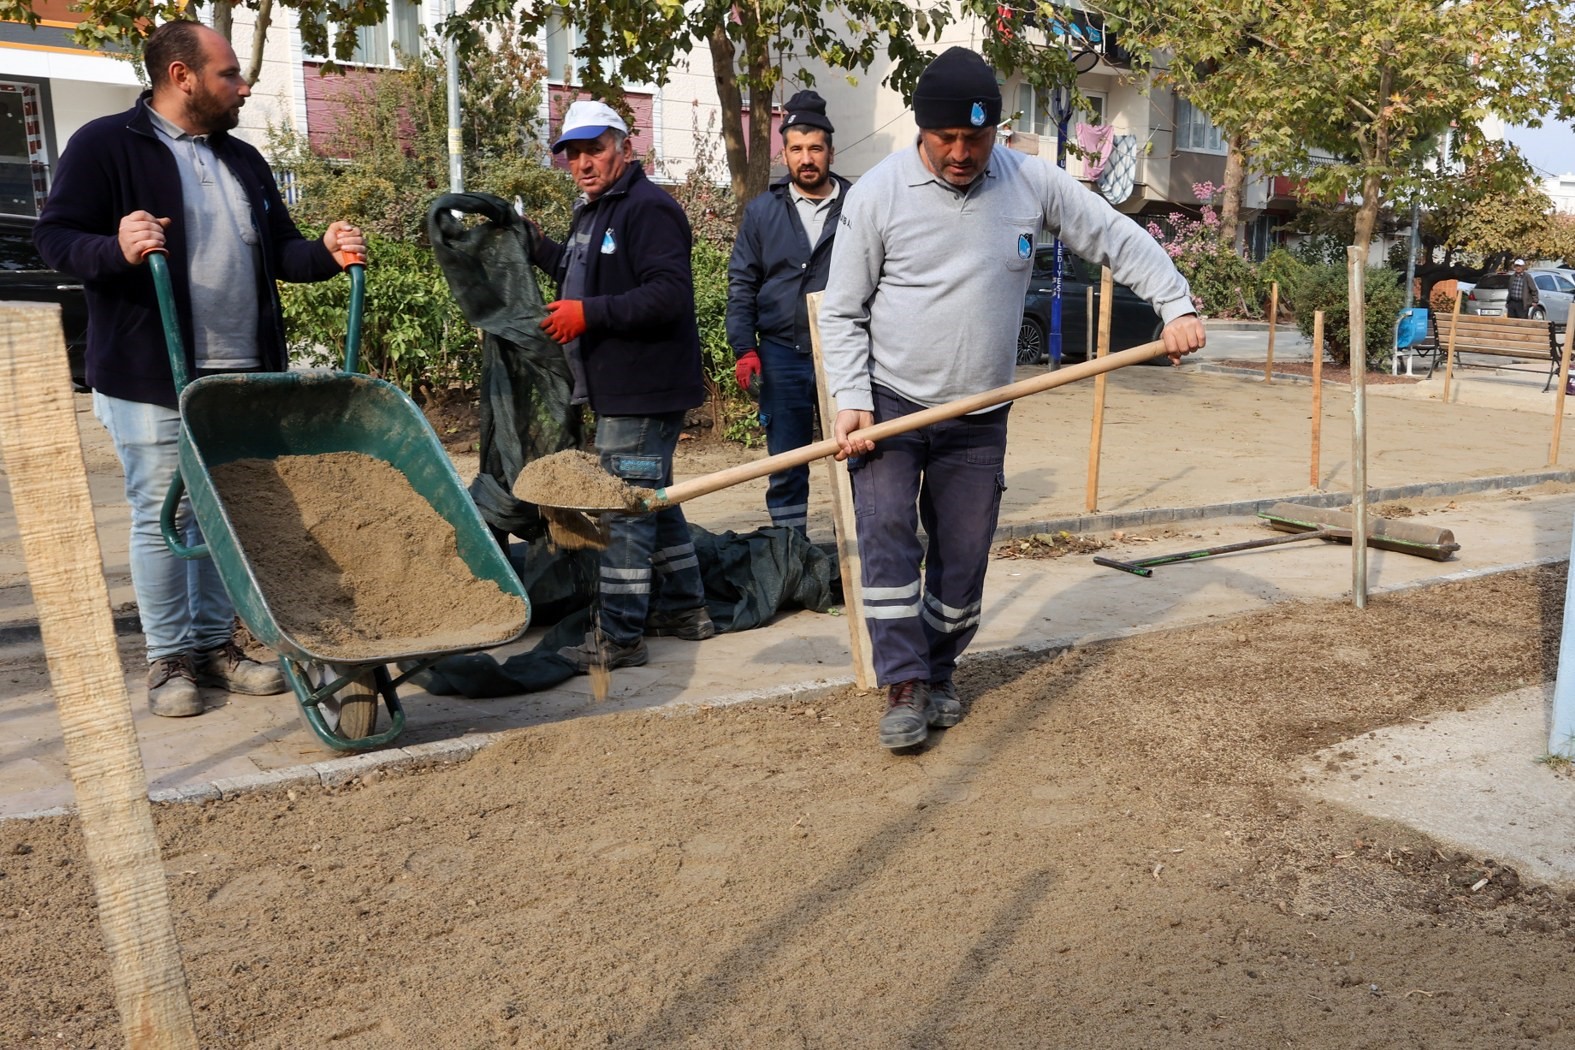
column 381, row 44
column 563, row 65
column 1195, row 131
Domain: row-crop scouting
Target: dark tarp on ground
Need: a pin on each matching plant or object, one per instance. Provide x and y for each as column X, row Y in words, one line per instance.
column 525, row 414
column 525, row 382
column 749, row 577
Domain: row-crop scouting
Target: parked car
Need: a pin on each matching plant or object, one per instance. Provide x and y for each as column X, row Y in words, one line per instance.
column 23, row 276
column 1490, row 296
column 1132, row 320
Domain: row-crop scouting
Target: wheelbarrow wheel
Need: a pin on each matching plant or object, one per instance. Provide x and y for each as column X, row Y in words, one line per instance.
column 352, row 711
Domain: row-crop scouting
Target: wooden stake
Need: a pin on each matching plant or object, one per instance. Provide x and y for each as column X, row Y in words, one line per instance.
column 1317, row 395
column 848, row 565
column 1449, row 354
column 1564, row 378
column 1274, row 312
column 1106, row 294
column 1356, row 271
column 1088, row 323
column 54, row 515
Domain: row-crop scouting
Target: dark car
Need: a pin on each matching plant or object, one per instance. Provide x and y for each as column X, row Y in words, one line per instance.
column 1132, row 320
column 24, row 277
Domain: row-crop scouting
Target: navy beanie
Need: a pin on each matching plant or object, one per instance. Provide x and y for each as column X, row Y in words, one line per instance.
column 806, row 109
column 957, row 90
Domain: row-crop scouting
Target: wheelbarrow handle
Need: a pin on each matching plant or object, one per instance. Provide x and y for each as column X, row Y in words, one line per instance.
column 357, row 271
column 159, row 267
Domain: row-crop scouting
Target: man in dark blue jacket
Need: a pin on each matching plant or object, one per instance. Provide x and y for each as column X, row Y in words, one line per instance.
column 782, row 254
column 168, row 176
column 625, row 314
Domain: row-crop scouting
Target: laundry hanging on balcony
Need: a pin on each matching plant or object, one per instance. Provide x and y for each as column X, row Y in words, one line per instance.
column 1119, row 177
column 1095, row 141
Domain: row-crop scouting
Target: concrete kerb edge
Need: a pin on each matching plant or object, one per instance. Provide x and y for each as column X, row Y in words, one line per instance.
column 1109, row 522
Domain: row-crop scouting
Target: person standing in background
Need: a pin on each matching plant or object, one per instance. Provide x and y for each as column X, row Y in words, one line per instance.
column 782, row 254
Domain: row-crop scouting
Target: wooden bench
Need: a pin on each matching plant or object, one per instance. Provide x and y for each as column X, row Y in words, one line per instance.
column 1515, row 338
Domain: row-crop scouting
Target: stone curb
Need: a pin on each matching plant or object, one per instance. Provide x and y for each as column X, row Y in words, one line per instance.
column 1250, row 508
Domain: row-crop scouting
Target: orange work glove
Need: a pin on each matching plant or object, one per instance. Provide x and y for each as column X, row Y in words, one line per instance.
column 747, row 368
column 565, row 320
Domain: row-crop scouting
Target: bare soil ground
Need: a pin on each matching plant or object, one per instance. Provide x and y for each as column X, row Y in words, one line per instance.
column 1111, row 850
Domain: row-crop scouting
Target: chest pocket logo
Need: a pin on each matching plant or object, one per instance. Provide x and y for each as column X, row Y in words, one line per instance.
column 1025, row 246
column 609, row 246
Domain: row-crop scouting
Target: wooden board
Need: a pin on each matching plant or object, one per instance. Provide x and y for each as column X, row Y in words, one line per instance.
column 54, row 512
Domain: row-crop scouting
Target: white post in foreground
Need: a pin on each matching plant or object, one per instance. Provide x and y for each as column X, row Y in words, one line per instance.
column 1561, row 738
column 1355, row 264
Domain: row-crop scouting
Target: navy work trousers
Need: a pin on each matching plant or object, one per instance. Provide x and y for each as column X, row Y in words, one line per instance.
column 948, row 477
column 650, row 561
column 787, row 411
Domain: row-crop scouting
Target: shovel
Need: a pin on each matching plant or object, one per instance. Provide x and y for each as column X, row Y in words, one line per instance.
column 550, row 483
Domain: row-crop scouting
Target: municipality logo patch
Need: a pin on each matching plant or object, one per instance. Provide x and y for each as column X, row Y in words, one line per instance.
column 1025, row 246
column 976, row 115
column 609, row 246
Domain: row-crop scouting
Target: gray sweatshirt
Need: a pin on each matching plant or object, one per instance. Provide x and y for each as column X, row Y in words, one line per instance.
column 927, row 281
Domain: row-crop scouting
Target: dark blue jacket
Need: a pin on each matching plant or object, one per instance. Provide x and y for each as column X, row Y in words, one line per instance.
column 116, row 165
column 641, row 345
column 773, row 267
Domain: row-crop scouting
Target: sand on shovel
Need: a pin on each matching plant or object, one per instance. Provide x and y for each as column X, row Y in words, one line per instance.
column 354, row 564
column 576, row 479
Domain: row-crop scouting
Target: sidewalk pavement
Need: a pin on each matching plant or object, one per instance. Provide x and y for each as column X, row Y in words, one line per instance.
column 1167, row 464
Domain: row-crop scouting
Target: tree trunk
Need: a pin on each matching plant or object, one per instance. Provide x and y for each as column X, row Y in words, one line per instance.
column 1372, row 154
column 1231, row 230
column 224, row 18
column 731, row 103
column 259, row 37
column 758, row 173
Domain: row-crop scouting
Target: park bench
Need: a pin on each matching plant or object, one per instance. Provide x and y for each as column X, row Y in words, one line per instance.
column 1517, row 339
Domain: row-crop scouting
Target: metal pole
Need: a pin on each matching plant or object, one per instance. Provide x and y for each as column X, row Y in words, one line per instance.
column 1355, row 266
column 456, row 141
column 1061, row 103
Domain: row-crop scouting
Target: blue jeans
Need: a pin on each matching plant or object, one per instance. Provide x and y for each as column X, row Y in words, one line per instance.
column 787, row 411
column 650, row 561
column 949, row 477
column 183, row 604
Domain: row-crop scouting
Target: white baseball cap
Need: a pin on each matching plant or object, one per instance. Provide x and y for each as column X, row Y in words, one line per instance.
column 1520, row 262
column 587, row 120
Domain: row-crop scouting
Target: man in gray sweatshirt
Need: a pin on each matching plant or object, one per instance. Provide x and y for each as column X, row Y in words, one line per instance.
column 922, row 307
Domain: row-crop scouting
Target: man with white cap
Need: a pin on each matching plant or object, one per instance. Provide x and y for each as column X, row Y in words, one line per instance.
column 625, row 314
column 1521, row 293
column 922, row 307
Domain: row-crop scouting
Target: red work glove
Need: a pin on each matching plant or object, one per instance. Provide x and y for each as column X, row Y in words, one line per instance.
column 565, row 320
column 747, row 368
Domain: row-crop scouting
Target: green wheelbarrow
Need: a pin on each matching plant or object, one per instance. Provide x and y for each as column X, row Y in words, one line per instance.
column 268, row 415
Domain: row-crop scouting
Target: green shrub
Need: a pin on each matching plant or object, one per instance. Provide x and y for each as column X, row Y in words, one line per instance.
column 1289, row 271
column 1325, row 288
column 412, row 330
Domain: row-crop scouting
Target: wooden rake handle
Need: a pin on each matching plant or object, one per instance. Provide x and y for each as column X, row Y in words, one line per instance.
column 707, row 483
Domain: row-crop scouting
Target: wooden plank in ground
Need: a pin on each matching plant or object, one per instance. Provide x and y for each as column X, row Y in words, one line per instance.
column 54, row 512
column 842, row 511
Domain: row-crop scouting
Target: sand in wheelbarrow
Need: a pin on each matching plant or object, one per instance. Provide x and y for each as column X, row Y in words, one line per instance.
column 353, row 563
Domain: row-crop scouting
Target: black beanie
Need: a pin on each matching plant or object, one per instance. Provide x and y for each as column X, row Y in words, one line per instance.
column 957, row 90
column 806, row 109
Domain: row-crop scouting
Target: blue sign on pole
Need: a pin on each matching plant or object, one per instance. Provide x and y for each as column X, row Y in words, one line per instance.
column 1062, row 101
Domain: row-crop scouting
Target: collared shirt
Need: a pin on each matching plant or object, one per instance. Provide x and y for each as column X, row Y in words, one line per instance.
column 222, row 246
column 812, row 211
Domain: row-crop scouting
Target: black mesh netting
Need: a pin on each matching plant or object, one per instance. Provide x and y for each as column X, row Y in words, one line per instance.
column 482, row 246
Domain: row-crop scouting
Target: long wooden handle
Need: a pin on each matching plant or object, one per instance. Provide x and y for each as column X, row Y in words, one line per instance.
column 722, row 479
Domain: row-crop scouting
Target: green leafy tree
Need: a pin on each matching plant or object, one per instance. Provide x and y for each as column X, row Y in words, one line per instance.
column 1370, row 86
column 752, row 45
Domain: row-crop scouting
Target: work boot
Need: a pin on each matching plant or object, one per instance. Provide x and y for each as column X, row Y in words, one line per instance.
column 229, row 668
column 945, row 709
column 609, row 654
column 907, row 718
column 172, row 687
column 692, row 625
